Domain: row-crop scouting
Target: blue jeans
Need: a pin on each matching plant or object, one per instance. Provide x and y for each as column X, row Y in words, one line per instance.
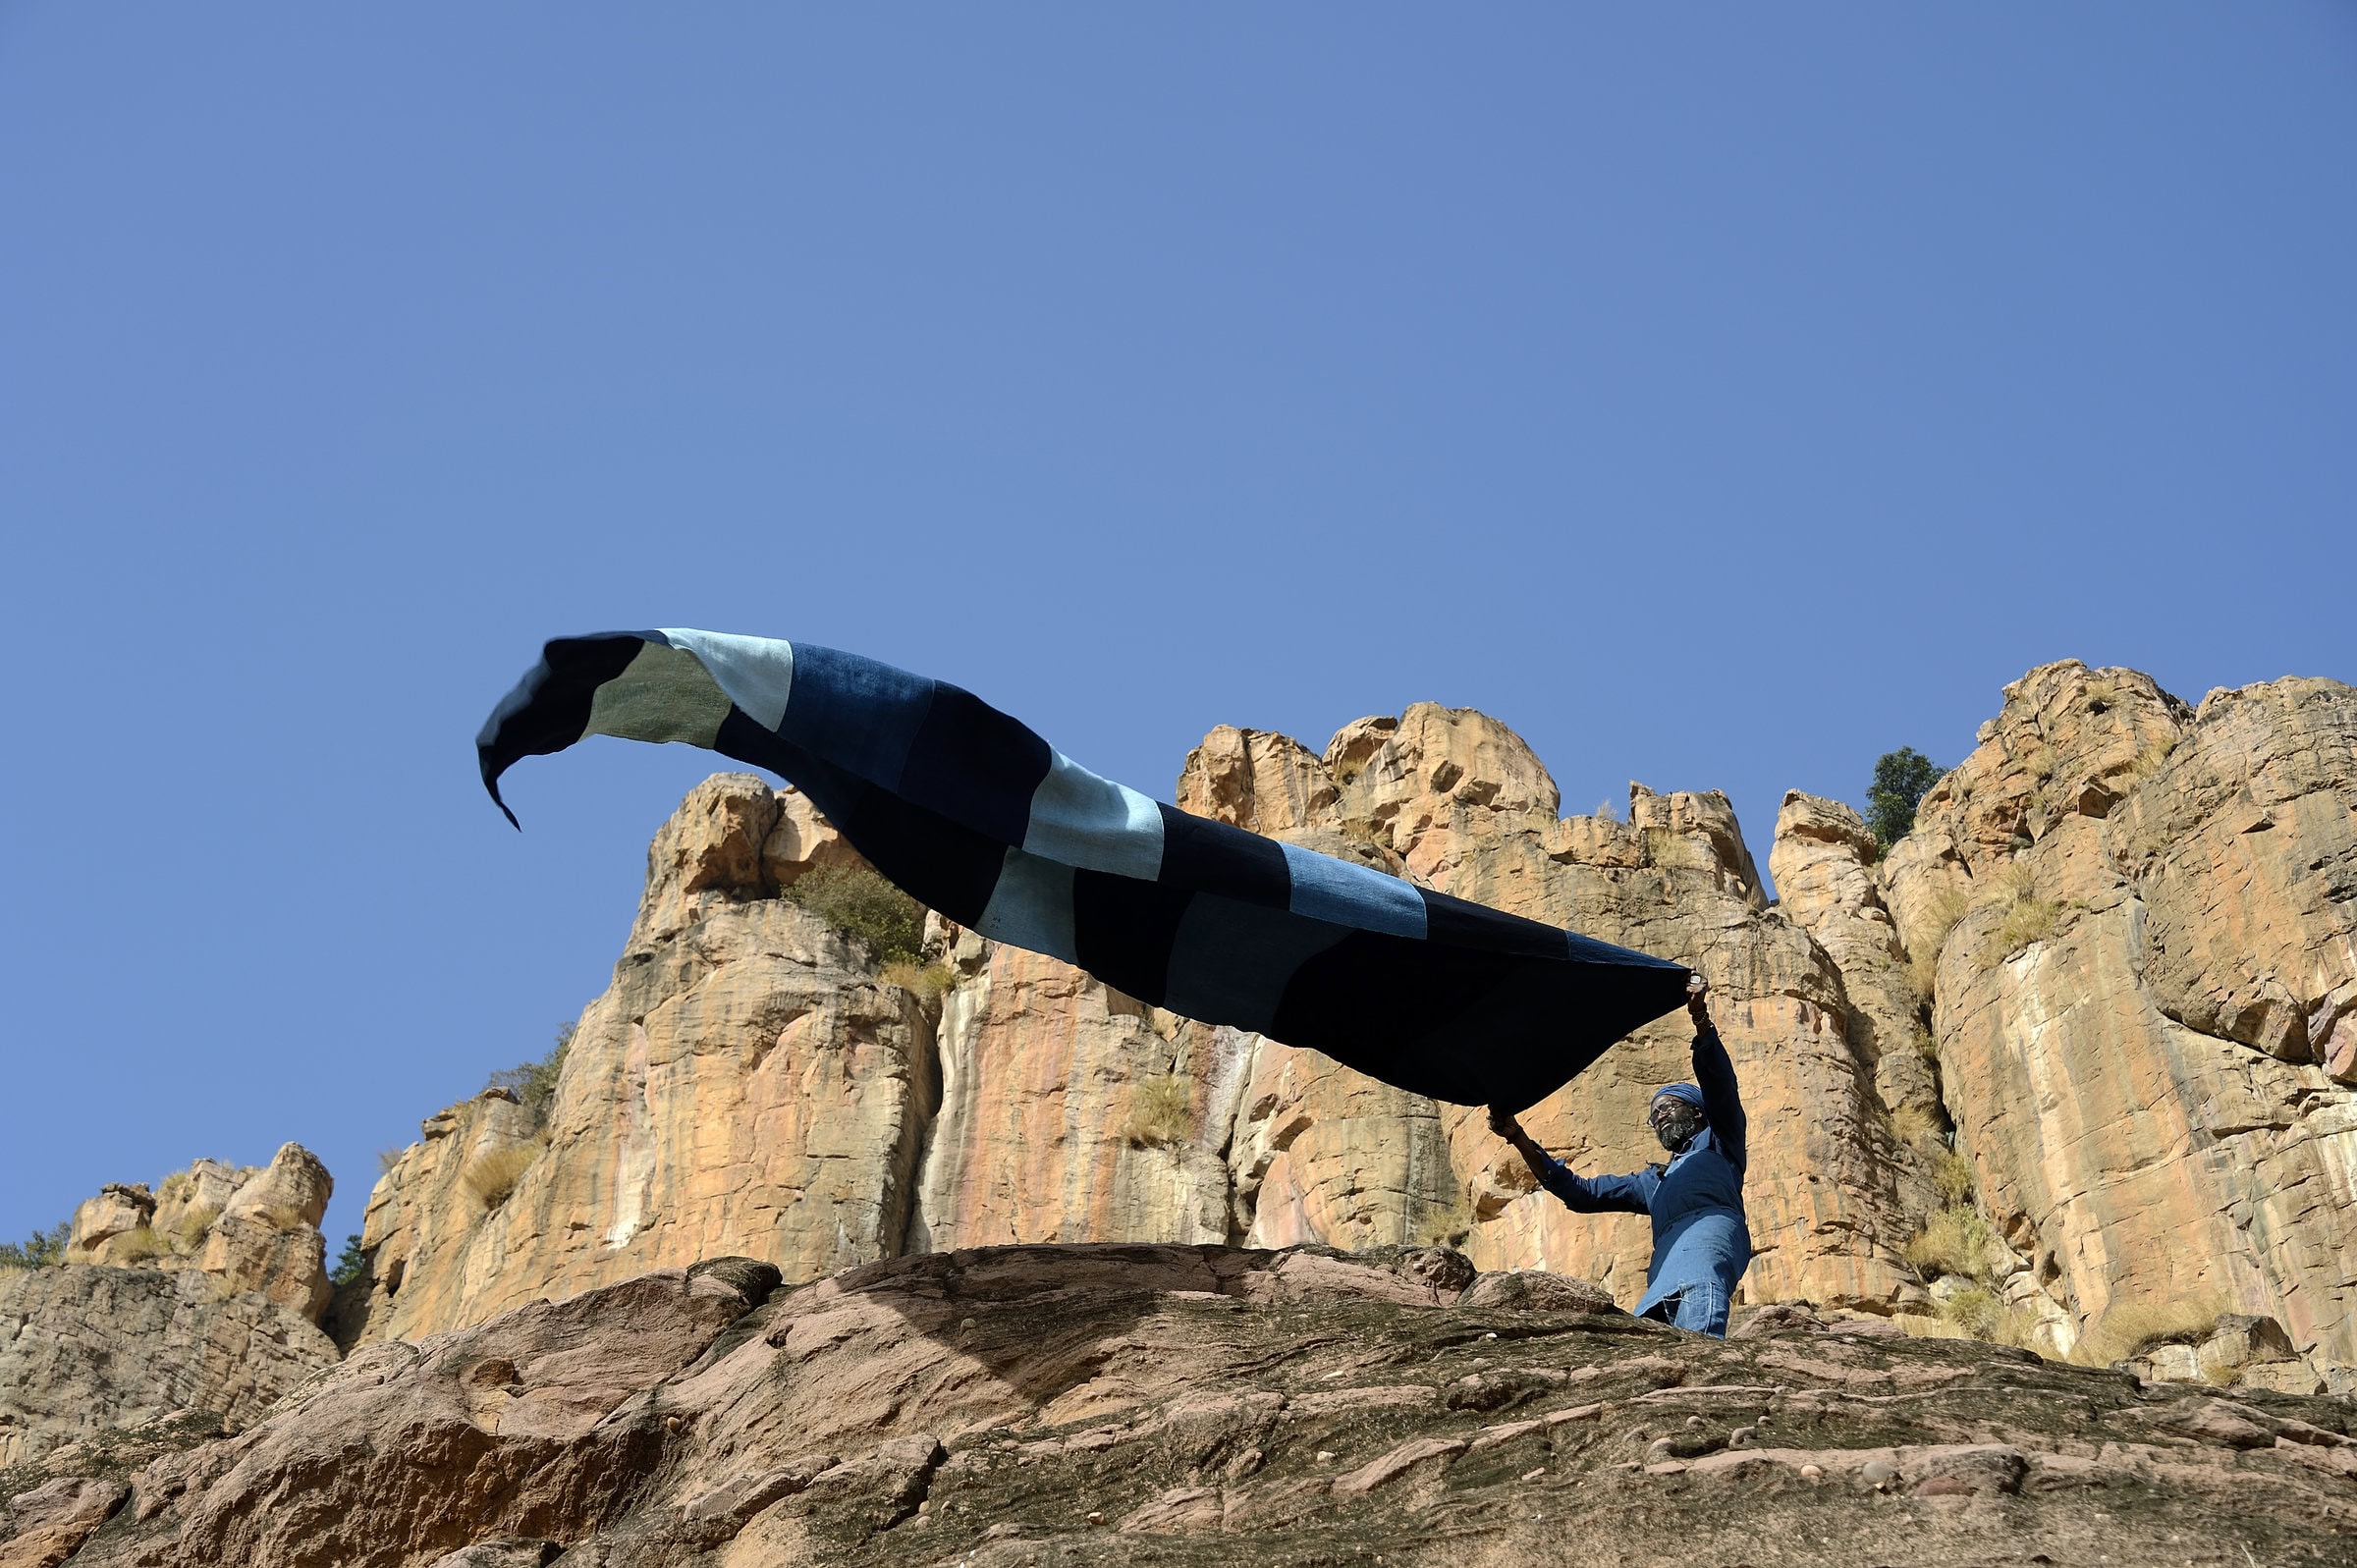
column 1699, row 1308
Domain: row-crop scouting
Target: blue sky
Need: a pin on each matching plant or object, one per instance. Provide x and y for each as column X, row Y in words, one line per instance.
column 1720, row 395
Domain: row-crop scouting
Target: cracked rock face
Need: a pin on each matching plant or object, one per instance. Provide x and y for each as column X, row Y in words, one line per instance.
column 747, row 1084
column 1120, row 1404
column 2144, row 919
column 203, row 1294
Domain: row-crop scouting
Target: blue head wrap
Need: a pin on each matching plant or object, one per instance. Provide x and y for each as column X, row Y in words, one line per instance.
column 1678, row 1091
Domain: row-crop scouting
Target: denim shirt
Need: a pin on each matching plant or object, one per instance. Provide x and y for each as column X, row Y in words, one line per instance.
column 1696, row 1199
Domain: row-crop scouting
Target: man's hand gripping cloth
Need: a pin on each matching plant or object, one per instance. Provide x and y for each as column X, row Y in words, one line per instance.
column 975, row 815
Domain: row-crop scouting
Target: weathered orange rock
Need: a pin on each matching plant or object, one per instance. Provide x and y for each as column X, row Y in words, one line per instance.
column 2187, row 1000
column 747, row 1083
column 2152, row 913
column 1039, row 1136
column 1460, row 803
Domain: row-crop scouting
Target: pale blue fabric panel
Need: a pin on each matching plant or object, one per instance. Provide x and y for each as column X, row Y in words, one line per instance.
column 757, row 672
column 1032, row 907
column 1327, row 889
column 1095, row 824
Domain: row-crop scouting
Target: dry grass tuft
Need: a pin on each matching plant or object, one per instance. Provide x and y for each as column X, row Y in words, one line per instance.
column 1924, row 947
column 929, row 981
column 1976, row 1312
column 136, row 1245
column 1914, row 1124
column 1442, row 1228
column 2024, row 918
column 490, row 1176
column 189, row 1230
column 1161, row 1111
column 2101, row 693
column 2152, row 758
column 2029, row 921
column 1954, row 1241
column 2133, row 1328
column 1952, row 1176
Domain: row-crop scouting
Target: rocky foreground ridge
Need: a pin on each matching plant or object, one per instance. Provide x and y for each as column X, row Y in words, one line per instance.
column 1167, row 1404
column 2067, row 1071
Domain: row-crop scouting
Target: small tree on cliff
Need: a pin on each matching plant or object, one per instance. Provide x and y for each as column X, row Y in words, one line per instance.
column 40, row 1250
column 1901, row 780
column 534, row 1083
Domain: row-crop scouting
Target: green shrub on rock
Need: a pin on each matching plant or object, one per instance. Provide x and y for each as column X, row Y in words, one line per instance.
column 858, row 903
column 1901, row 778
column 39, row 1250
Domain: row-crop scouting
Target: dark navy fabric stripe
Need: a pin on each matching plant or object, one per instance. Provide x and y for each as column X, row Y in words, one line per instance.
column 1197, row 852
column 970, row 759
column 1463, row 923
column 859, row 715
column 936, row 862
column 1124, row 930
column 549, row 708
column 1588, row 950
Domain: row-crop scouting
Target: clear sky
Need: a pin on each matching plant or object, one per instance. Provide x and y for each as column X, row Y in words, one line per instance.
column 1721, row 395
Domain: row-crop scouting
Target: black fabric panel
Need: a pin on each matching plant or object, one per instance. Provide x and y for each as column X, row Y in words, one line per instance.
column 1467, row 1026
column 935, row 861
column 970, row 758
column 1124, row 930
column 1544, row 1024
column 1231, row 961
column 550, row 706
column 1367, row 1000
column 1214, row 857
column 1458, row 923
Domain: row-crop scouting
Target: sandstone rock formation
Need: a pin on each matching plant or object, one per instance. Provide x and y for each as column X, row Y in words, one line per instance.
column 2141, row 1096
column 1453, row 799
column 1179, row 1405
column 748, row 1084
column 690, row 1117
column 2140, row 921
column 204, row 1295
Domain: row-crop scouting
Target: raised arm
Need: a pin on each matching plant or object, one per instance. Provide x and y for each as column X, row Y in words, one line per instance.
column 1580, row 1194
column 1714, row 1076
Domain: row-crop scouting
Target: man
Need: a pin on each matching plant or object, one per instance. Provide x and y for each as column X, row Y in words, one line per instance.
column 1701, row 1245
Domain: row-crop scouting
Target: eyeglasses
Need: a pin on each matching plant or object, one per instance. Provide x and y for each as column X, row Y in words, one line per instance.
column 1669, row 1110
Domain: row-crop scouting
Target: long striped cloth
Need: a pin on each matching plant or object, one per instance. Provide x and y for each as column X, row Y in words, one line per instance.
column 970, row 812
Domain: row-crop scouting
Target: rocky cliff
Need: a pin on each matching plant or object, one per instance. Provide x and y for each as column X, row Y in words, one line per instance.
column 1195, row 1405
column 2073, row 1067
column 203, row 1294
column 2074, row 1048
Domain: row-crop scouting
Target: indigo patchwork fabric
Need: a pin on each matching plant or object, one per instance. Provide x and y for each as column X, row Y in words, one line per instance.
column 974, row 814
